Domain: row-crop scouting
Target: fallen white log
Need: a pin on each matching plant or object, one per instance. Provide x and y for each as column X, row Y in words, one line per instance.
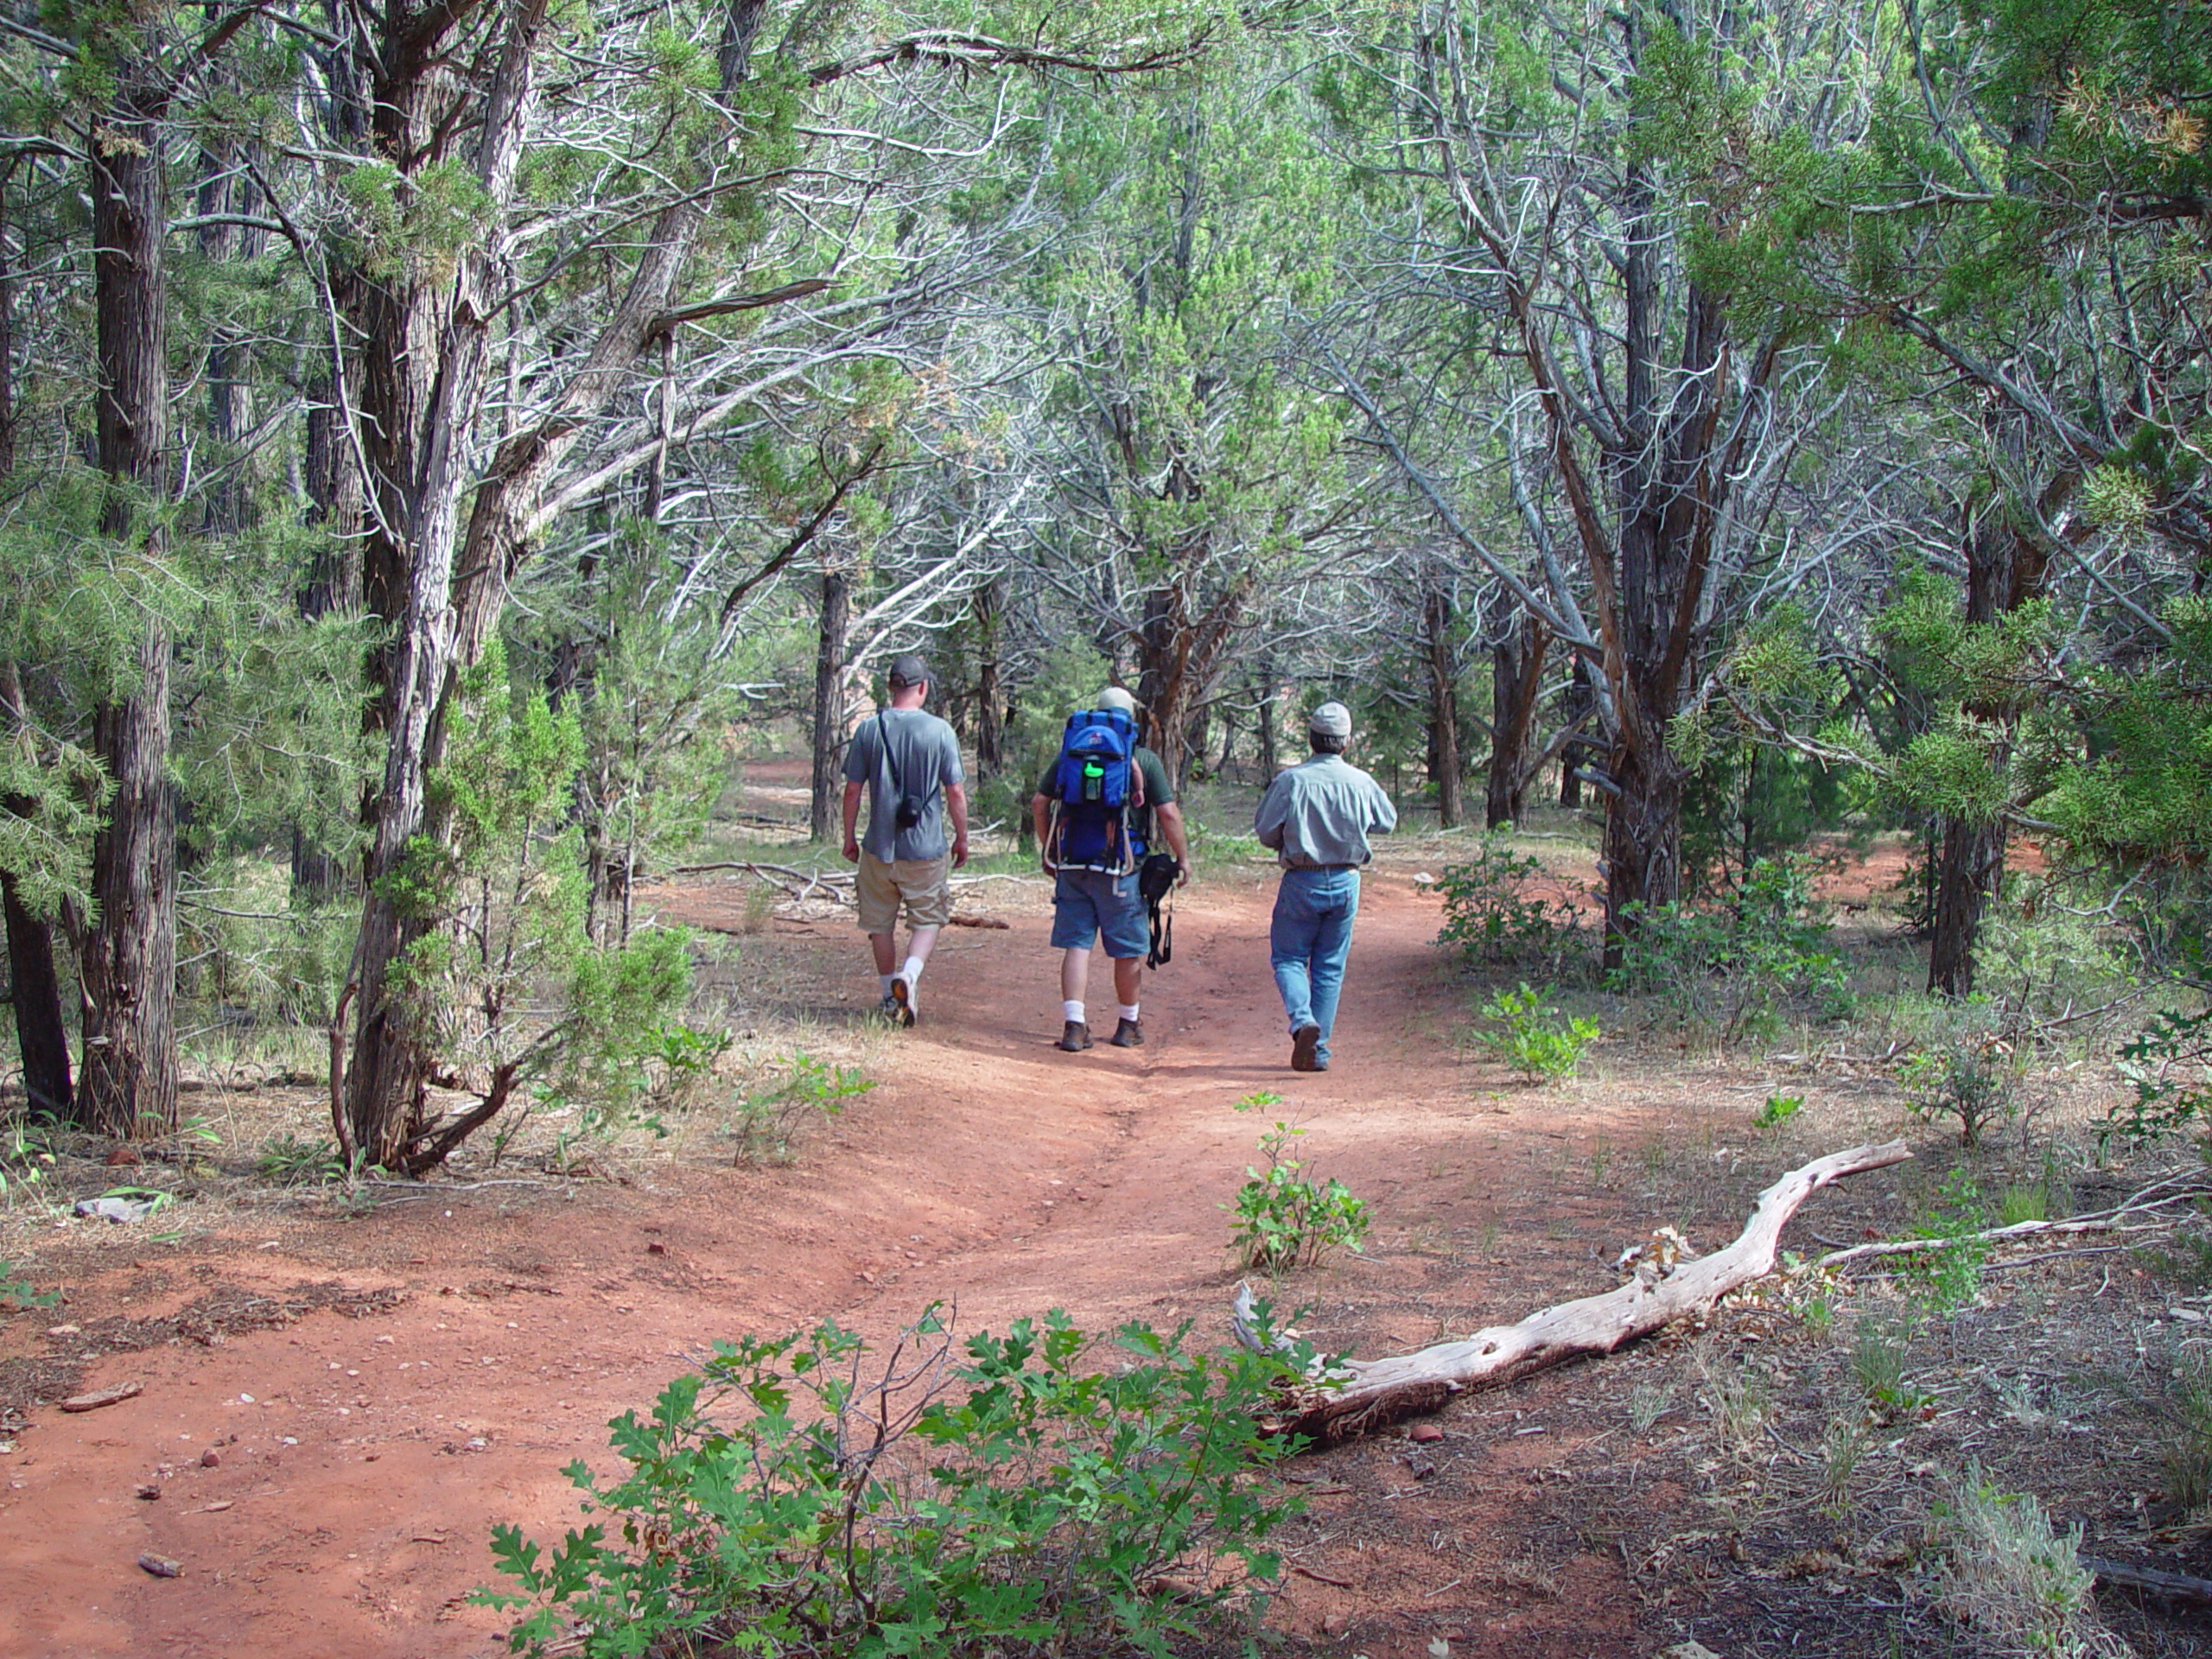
column 1361, row 1395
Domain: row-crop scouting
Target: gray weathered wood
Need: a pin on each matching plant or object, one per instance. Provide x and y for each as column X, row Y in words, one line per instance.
column 1363, row 1395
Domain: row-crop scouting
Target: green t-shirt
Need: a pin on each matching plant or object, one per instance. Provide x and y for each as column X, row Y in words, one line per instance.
column 1158, row 791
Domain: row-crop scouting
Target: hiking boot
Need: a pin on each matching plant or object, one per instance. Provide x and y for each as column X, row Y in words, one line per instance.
column 1128, row 1034
column 1075, row 1036
column 889, row 1006
column 902, row 1001
column 1304, row 1049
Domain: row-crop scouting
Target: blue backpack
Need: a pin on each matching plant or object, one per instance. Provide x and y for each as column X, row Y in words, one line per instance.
column 1097, row 781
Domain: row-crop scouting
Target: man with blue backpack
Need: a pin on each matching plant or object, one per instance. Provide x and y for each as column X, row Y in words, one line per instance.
column 1097, row 812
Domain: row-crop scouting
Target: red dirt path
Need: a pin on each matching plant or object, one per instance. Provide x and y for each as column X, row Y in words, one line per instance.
column 365, row 1459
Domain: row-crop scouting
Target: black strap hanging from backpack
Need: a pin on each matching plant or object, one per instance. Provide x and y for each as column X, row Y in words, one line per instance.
column 908, row 809
column 1155, row 881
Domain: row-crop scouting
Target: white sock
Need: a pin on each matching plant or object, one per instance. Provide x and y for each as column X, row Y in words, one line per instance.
column 884, row 980
column 1071, row 1011
column 1130, row 1012
column 913, row 970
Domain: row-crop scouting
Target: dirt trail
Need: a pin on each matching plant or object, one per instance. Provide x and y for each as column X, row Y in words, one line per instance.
column 364, row 1460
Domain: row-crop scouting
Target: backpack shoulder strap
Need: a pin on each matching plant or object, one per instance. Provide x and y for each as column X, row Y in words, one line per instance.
column 883, row 742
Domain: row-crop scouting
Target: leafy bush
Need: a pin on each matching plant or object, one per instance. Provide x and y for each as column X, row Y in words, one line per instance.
column 1282, row 1220
column 18, row 1294
column 2169, row 1062
column 1738, row 967
column 506, row 975
column 1969, row 1077
column 1943, row 1280
column 2001, row 1571
column 769, row 1120
column 1778, row 1110
column 1534, row 1038
column 24, row 1159
column 1495, row 910
column 679, row 1059
column 290, row 1160
column 780, row 1501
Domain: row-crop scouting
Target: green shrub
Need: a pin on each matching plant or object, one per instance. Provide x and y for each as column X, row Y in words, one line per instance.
column 17, row 1295
column 1968, row 1077
column 2188, row 1452
column 24, row 1159
column 290, row 1160
column 1534, row 1037
column 679, row 1059
column 1778, row 1110
column 1281, row 1219
column 769, row 1120
column 800, row 1495
column 1738, row 967
column 1492, row 915
column 2169, row 1062
column 1999, row 1570
column 1946, row 1280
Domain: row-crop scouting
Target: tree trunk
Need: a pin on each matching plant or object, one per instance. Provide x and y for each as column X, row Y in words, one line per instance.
column 42, row 1038
column 332, row 581
column 1444, row 762
column 1516, row 681
column 2005, row 570
column 127, row 1084
column 1642, row 863
column 423, row 372
column 990, row 690
column 1575, row 756
column 223, row 199
column 331, row 585
column 425, row 331
column 1264, row 732
column 824, row 803
column 1968, row 870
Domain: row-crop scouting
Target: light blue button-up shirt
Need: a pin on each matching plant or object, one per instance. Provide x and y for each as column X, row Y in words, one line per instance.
column 1320, row 811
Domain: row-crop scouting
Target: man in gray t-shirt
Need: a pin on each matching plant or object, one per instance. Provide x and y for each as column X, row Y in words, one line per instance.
column 908, row 762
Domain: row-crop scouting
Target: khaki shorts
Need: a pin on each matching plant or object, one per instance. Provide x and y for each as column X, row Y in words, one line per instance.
column 924, row 883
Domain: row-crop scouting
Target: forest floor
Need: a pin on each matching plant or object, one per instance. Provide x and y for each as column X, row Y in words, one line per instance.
column 342, row 1392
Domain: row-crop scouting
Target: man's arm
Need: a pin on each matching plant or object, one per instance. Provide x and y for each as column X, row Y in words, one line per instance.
column 1170, row 818
column 1040, row 819
column 853, row 788
column 956, row 802
column 1383, row 813
column 1275, row 810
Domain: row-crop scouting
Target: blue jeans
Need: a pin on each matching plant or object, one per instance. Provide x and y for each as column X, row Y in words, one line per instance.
column 1308, row 941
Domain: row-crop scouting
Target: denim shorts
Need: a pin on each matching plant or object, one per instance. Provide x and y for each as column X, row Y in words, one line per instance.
column 1087, row 903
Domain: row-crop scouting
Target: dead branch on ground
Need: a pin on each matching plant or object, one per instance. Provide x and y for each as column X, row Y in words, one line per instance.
column 2139, row 1213
column 1357, row 1396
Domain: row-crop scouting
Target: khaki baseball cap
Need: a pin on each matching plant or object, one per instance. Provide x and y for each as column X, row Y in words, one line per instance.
column 1115, row 697
column 1330, row 719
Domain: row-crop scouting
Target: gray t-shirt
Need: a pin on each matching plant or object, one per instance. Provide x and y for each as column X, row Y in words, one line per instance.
column 925, row 757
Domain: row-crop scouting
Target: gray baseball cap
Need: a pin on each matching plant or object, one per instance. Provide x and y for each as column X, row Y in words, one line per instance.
column 1330, row 719
column 908, row 669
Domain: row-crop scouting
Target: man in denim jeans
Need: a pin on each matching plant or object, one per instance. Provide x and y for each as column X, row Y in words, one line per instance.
column 1316, row 816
